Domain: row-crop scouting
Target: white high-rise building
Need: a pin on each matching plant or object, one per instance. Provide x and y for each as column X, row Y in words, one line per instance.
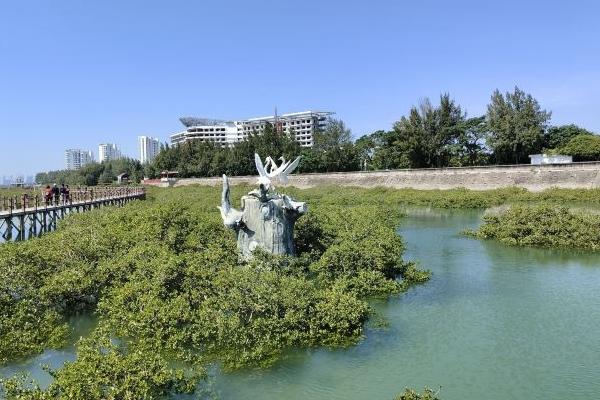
column 301, row 125
column 149, row 148
column 108, row 152
column 77, row 158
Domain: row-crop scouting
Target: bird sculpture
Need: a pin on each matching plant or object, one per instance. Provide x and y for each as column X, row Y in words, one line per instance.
column 271, row 171
column 232, row 218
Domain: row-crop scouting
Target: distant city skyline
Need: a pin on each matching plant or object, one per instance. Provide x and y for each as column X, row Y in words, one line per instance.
column 76, row 74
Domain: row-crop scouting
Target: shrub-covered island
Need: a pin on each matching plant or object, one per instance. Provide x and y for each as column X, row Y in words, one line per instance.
column 542, row 225
column 170, row 296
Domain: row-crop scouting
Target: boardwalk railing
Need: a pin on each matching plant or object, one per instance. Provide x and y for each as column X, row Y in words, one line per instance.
column 26, row 216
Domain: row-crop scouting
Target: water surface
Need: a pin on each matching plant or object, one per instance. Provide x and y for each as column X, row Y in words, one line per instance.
column 494, row 322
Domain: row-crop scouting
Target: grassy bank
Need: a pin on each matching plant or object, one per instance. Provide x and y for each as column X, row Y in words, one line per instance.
column 164, row 280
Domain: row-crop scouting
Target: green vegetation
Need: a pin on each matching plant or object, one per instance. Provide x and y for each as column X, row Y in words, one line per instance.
column 514, row 127
column 582, row 147
column 558, row 136
column 542, row 225
column 411, row 394
column 93, row 174
column 170, row 295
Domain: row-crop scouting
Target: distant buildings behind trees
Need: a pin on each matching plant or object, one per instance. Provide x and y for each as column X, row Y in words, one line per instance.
column 429, row 135
column 108, row 152
column 148, row 147
column 77, row 158
column 300, row 126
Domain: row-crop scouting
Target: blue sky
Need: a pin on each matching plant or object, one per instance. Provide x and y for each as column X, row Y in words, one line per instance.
column 78, row 73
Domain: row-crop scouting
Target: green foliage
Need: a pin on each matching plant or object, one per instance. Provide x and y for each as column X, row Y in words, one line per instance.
column 558, row 136
column 583, row 147
column 543, row 225
column 94, row 173
column 411, row 394
column 170, row 295
column 516, row 124
column 424, row 138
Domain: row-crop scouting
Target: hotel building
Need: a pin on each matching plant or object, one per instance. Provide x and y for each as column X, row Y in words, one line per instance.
column 301, row 125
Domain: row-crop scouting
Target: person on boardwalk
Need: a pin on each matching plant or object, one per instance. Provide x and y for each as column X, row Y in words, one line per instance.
column 48, row 195
column 63, row 194
column 56, row 194
column 67, row 195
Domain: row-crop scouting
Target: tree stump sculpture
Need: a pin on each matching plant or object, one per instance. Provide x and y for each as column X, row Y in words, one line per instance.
column 267, row 218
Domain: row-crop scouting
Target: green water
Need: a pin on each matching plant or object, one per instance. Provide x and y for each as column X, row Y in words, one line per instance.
column 494, row 322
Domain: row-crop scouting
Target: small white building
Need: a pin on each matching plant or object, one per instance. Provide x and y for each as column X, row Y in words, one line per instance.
column 540, row 159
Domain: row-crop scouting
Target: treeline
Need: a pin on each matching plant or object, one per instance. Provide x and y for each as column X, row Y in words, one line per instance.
column 429, row 136
column 442, row 135
column 93, row 174
column 333, row 151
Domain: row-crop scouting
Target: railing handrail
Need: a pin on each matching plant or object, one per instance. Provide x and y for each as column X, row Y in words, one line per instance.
column 78, row 195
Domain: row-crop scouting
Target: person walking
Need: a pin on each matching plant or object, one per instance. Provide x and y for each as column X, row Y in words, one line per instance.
column 63, row 194
column 56, row 194
column 48, row 195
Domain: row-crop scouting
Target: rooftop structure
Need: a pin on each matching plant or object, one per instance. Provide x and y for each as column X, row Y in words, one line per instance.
column 301, row 125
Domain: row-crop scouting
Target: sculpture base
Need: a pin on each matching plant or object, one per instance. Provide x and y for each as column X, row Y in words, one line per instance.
column 266, row 224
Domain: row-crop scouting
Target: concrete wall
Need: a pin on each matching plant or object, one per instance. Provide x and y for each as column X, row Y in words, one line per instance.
column 532, row 177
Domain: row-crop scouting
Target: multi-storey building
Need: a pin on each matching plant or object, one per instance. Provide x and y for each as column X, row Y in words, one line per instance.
column 301, row 125
column 77, row 158
column 149, row 148
column 108, row 152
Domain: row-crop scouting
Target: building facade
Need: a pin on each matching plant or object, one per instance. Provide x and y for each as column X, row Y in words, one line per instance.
column 148, row 147
column 301, row 125
column 77, row 158
column 108, row 152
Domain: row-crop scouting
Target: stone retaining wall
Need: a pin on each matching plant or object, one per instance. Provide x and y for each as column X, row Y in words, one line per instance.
column 532, row 177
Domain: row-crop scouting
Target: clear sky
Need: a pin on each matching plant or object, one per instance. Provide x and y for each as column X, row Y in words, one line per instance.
column 78, row 73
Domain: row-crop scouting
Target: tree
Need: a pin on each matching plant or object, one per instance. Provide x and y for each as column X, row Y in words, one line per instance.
column 469, row 147
column 516, row 125
column 333, row 148
column 582, row 147
column 424, row 137
column 558, row 136
column 366, row 148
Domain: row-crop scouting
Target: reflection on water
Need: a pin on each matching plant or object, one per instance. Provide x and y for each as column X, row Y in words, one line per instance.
column 494, row 322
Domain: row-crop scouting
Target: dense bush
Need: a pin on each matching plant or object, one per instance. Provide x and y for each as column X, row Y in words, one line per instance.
column 582, row 147
column 170, row 295
column 542, row 225
column 411, row 394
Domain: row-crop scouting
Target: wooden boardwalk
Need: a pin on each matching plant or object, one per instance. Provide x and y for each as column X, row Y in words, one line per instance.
column 24, row 217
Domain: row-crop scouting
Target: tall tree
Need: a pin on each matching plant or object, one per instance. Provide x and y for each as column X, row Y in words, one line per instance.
column 516, row 125
column 424, row 137
column 333, row 148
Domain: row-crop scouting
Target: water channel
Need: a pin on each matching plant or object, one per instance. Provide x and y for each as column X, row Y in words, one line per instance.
column 494, row 322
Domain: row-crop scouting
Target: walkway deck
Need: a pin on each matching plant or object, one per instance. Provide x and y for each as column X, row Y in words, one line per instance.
column 26, row 216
